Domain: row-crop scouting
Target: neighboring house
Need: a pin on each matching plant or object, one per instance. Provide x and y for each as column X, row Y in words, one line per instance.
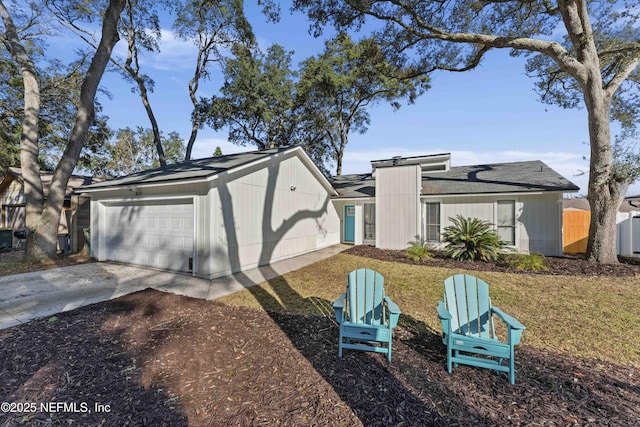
column 577, row 217
column 75, row 211
column 215, row 216
column 629, row 229
column 410, row 198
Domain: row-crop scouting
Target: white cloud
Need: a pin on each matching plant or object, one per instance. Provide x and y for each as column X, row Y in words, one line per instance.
column 175, row 55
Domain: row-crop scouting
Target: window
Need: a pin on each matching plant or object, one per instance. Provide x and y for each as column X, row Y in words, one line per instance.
column 507, row 221
column 369, row 221
column 431, row 221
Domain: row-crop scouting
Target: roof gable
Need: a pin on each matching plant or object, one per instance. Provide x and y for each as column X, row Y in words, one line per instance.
column 206, row 169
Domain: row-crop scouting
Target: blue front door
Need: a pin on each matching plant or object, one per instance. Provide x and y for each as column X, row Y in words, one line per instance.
column 349, row 223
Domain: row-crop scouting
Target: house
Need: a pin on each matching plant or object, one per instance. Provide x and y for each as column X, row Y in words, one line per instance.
column 75, row 211
column 577, row 216
column 216, row 216
column 410, row 198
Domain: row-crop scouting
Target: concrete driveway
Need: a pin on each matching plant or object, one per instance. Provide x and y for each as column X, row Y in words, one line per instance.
column 43, row 293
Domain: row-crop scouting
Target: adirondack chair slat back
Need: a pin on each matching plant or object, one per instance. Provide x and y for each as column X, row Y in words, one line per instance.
column 468, row 301
column 365, row 293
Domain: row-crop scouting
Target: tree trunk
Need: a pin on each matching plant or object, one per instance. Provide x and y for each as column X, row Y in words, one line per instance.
column 157, row 141
column 46, row 230
column 604, row 192
column 192, row 139
column 195, row 118
column 30, row 170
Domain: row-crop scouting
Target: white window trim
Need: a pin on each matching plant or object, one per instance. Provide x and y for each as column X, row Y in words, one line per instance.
column 516, row 223
column 375, row 226
column 423, row 214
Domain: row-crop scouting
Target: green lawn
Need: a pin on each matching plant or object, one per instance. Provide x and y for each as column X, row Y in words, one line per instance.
column 593, row 317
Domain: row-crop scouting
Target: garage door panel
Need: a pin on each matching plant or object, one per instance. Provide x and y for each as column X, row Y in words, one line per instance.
column 157, row 235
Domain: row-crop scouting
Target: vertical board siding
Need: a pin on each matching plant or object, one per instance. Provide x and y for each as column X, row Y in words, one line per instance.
column 271, row 212
column 541, row 224
column 538, row 218
column 397, row 206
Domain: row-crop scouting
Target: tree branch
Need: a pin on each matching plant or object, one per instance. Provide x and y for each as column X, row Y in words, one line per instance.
column 620, row 77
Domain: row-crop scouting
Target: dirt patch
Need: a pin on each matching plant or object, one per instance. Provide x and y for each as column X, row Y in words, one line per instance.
column 565, row 266
column 14, row 263
column 162, row 359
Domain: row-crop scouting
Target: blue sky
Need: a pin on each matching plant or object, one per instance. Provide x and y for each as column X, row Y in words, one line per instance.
column 487, row 115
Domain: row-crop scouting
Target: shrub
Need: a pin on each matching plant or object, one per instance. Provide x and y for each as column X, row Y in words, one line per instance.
column 532, row 262
column 471, row 239
column 419, row 250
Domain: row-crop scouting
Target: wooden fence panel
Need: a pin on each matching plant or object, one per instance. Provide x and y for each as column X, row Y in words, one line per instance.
column 575, row 231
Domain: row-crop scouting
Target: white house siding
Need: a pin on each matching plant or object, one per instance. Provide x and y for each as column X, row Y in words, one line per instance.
column 531, row 234
column 397, row 206
column 541, row 224
column 267, row 213
column 359, row 218
column 628, row 233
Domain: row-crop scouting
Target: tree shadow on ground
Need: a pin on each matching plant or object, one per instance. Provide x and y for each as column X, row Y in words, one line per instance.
column 550, row 389
column 66, row 359
column 375, row 390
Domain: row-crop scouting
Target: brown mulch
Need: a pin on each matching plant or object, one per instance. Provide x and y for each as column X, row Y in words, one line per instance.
column 160, row 359
column 571, row 265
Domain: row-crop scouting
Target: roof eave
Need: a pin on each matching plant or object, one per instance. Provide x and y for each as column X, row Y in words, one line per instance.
column 217, row 175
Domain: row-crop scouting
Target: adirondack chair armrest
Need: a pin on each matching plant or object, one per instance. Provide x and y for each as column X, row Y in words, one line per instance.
column 514, row 327
column 445, row 319
column 393, row 310
column 443, row 313
column 338, row 307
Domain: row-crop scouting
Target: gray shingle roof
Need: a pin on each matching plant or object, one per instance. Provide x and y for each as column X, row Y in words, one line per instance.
column 189, row 170
column 75, row 181
column 532, row 176
column 516, row 177
column 353, row 186
column 583, row 204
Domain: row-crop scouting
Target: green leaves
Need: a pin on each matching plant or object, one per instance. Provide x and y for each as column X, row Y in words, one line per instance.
column 419, row 250
column 133, row 151
column 256, row 104
column 471, row 239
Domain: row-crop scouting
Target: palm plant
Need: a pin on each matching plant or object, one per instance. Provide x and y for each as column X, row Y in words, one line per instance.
column 419, row 250
column 471, row 239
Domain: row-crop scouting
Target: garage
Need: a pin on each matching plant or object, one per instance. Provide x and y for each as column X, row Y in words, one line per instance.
column 216, row 216
column 151, row 233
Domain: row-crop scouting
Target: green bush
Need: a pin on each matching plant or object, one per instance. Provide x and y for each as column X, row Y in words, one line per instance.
column 531, row 262
column 471, row 239
column 419, row 250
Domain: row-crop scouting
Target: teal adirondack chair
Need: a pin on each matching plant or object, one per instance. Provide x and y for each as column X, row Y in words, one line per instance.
column 366, row 316
column 467, row 327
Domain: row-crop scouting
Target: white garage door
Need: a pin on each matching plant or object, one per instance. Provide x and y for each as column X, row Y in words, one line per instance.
column 155, row 234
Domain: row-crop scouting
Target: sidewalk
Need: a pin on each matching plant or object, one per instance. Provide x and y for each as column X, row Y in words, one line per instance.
column 42, row 293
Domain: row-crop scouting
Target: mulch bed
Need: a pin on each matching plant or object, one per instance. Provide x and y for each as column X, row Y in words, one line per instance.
column 575, row 265
column 160, row 359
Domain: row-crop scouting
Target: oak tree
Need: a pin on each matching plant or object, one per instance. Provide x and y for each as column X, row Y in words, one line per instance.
column 584, row 53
